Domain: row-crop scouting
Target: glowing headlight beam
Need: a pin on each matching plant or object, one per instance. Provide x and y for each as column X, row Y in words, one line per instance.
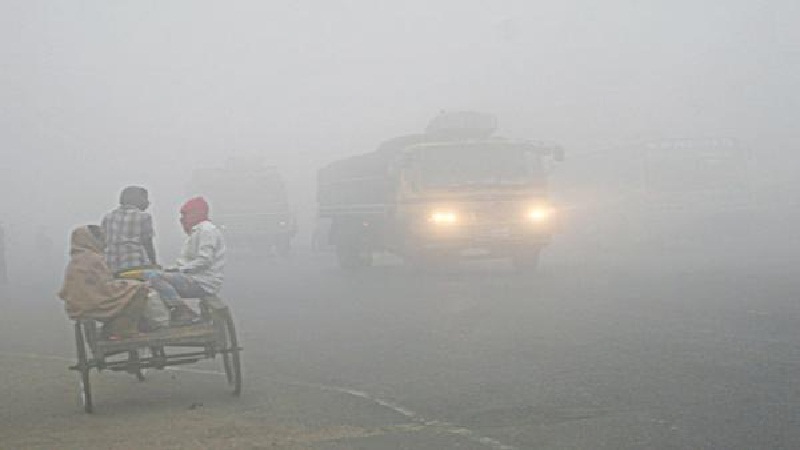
column 444, row 217
column 540, row 214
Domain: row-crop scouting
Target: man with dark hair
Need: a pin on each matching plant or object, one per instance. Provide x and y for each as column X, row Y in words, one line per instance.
column 129, row 232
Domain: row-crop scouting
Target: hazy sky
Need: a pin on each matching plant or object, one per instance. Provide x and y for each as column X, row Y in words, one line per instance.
column 95, row 95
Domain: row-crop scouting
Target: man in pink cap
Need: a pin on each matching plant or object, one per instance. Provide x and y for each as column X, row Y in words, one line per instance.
column 198, row 272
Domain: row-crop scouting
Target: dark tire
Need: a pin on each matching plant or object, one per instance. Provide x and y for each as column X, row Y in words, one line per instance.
column 84, row 384
column 85, row 392
column 527, row 260
column 226, row 365
column 352, row 257
column 231, row 353
column 284, row 247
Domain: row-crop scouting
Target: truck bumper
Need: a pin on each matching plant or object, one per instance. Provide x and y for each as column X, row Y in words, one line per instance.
column 478, row 243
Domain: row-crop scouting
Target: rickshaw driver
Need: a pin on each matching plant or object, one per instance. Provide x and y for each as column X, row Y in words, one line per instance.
column 198, row 272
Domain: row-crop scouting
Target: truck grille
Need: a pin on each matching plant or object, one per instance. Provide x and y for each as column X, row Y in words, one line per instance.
column 495, row 213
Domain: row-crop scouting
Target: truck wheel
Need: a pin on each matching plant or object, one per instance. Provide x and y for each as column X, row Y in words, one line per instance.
column 352, row 257
column 527, row 260
column 284, row 247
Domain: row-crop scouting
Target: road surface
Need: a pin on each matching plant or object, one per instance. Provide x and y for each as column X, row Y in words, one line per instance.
column 584, row 355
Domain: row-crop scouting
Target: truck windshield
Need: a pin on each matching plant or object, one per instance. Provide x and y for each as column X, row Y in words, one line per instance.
column 478, row 165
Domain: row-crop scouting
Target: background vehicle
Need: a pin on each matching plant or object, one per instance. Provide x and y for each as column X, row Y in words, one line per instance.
column 686, row 197
column 249, row 200
column 453, row 192
column 707, row 175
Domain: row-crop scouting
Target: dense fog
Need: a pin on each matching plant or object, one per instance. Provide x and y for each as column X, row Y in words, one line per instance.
column 96, row 96
column 662, row 313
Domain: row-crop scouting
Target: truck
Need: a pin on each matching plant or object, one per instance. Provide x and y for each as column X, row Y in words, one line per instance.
column 454, row 192
column 250, row 202
column 698, row 175
column 663, row 196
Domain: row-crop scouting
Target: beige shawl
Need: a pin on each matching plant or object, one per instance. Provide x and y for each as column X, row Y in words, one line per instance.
column 90, row 290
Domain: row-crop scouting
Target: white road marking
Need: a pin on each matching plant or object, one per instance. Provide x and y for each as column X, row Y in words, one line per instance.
column 447, row 427
column 411, row 415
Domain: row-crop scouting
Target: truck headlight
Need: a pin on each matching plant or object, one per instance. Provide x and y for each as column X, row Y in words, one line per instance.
column 540, row 214
column 443, row 217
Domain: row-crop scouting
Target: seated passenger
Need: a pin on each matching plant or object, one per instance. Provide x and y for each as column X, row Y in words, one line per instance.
column 90, row 290
column 129, row 232
column 199, row 270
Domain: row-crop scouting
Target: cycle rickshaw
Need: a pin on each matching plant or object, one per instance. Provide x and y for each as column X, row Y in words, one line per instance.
column 214, row 335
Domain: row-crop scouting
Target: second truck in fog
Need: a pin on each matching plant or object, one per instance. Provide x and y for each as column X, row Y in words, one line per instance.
column 453, row 192
column 250, row 202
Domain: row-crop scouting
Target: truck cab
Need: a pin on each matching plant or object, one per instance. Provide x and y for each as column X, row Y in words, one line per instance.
column 454, row 192
column 472, row 199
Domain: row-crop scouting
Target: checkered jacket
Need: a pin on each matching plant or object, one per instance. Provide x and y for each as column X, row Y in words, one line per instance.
column 126, row 228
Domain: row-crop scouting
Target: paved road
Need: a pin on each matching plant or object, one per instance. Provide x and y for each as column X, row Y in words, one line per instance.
column 583, row 355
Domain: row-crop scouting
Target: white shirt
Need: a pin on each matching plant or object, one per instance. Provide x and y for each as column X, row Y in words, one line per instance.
column 203, row 256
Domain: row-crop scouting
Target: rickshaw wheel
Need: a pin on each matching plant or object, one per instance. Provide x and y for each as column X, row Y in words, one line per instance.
column 84, row 393
column 226, row 363
column 231, row 360
column 84, row 386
